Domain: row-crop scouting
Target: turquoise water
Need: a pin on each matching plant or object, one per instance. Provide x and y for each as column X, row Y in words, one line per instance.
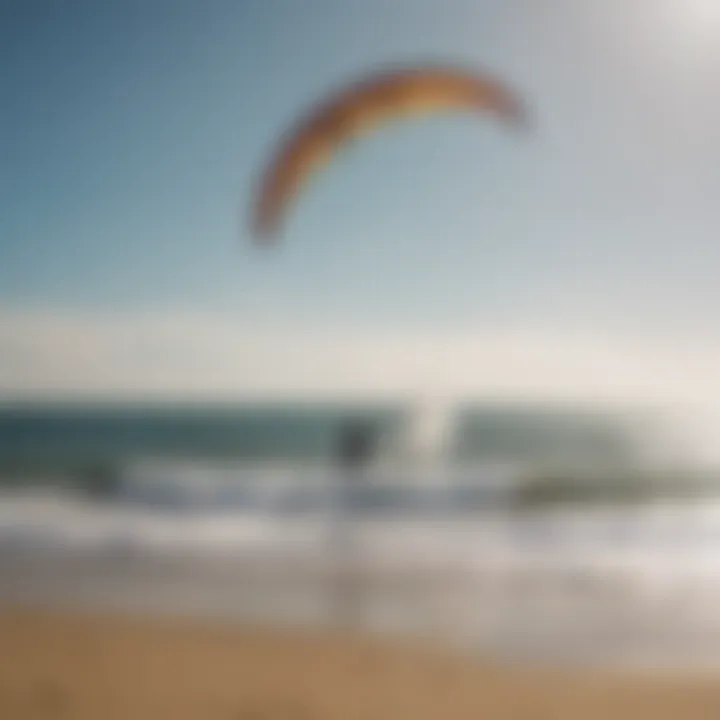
column 91, row 440
column 40, row 440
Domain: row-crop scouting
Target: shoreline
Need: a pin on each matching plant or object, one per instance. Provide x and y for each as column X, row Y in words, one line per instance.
column 82, row 664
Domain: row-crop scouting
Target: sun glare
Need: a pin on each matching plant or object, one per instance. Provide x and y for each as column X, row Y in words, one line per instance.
column 699, row 17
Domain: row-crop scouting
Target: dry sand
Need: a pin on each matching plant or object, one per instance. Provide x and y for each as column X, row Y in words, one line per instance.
column 107, row 667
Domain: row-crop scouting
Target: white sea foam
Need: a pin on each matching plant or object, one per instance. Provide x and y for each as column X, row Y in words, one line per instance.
column 570, row 579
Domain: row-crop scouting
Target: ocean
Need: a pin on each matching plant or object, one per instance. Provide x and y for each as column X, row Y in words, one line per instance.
column 236, row 512
column 92, row 441
column 88, row 440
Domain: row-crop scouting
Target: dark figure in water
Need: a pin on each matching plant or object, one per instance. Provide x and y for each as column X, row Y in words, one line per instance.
column 355, row 448
column 356, row 445
column 354, row 451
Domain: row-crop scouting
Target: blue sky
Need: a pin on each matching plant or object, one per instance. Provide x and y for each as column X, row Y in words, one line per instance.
column 132, row 132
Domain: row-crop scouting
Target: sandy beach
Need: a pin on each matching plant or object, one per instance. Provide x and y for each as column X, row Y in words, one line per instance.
column 83, row 666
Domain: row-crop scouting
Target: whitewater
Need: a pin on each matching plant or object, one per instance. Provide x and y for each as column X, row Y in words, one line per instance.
column 604, row 584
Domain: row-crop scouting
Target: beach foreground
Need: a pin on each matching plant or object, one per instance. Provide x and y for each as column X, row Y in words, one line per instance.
column 55, row 665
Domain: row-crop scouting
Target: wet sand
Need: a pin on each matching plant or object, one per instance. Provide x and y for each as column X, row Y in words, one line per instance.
column 102, row 666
